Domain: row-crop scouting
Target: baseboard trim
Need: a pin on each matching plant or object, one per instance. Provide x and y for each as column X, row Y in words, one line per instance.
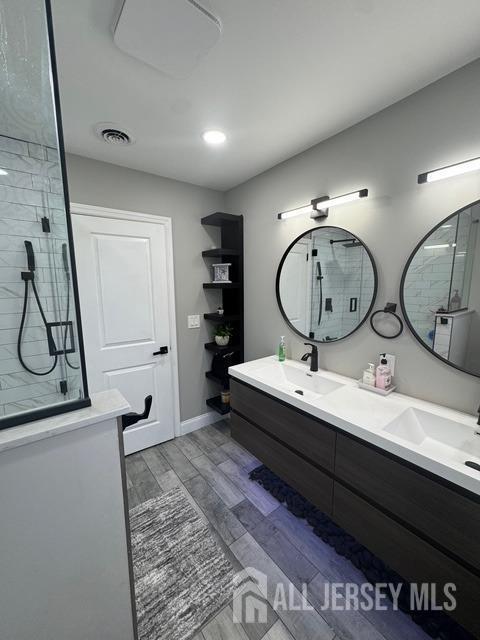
column 192, row 424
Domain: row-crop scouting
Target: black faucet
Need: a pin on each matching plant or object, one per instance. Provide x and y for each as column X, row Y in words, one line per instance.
column 313, row 355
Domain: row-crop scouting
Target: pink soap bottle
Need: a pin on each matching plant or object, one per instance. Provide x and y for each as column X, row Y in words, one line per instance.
column 383, row 378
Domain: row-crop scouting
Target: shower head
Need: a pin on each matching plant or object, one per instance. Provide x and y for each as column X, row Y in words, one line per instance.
column 348, row 244
column 30, row 255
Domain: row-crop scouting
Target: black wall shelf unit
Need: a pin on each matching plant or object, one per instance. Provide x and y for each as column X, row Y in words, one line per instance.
column 231, row 248
column 219, row 253
column 217, row 317
column 221, row 285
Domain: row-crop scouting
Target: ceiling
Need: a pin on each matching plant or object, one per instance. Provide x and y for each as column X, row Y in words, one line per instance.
column 285, row 75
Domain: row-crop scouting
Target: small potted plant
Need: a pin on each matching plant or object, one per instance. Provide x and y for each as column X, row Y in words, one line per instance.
column 223, row 334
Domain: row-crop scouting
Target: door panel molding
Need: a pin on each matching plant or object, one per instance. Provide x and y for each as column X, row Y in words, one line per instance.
column 136, row 216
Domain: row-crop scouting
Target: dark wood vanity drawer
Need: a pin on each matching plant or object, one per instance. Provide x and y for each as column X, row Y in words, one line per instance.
column 307, row 436
column 312, row 483
column 413, row 558
column 444, row 515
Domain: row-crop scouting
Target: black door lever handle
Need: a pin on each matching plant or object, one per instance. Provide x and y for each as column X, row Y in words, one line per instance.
column 161, row 352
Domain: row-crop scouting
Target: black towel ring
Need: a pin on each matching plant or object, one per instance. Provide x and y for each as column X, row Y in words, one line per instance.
column 390, row 308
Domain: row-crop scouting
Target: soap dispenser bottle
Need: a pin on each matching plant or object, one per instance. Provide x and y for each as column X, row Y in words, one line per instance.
column 281, row 349
column 383, row 379
column 369, row 375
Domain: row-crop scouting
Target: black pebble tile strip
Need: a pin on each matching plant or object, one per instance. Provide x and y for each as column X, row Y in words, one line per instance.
column 437, row 624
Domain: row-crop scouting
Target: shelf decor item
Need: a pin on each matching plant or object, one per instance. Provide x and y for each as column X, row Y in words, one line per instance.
column 221, row 272
column 223, row 334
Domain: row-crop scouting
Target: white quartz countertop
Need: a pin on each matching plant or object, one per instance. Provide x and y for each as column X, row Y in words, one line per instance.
column 105, row 405
column 433, row 437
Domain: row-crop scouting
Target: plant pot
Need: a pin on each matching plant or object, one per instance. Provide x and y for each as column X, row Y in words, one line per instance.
column 222, row 341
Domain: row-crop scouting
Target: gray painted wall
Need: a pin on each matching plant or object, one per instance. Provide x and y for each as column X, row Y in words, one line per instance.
column 432, row 128
column 106, row 185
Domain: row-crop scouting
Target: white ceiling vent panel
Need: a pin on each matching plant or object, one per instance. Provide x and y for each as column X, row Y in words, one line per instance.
column 170, row 35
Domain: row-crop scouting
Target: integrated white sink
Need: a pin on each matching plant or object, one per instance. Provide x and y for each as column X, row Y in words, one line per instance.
column 436, row 438
column 298, row 380
column 441, row 437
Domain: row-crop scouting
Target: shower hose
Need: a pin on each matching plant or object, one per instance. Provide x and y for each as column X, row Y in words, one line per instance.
column 29, row 277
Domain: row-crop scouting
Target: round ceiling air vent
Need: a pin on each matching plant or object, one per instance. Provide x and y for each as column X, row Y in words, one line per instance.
column 113, row 134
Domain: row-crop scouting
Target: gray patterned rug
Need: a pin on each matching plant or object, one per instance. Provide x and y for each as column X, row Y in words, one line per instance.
column 182, row 577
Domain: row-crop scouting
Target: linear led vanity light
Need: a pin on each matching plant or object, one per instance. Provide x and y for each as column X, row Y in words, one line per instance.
column 319, row 206
column 295, row 212
column 449, row 172
column 324, row 203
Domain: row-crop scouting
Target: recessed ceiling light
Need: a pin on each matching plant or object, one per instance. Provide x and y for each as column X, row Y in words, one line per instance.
column 214, row 137
column 3, row 172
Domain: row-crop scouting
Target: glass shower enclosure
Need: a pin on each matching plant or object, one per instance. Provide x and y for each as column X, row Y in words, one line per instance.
column 42, row 368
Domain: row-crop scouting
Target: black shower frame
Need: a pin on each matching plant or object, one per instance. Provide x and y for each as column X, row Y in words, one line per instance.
column 277, row 284
column 80, row 403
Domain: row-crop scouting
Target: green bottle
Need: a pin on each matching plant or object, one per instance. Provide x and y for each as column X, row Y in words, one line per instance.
column 281, row 349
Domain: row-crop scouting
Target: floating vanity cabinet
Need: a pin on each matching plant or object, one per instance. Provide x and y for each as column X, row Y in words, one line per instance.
column 292, row 445
column 420, row 525
column 409, row 554
column 299, row 432
column 447, row 517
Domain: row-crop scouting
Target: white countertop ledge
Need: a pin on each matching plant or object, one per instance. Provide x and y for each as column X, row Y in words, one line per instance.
column 369, row 417
column 105, row 406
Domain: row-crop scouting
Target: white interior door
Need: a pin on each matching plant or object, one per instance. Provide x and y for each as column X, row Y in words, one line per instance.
column 125, row 280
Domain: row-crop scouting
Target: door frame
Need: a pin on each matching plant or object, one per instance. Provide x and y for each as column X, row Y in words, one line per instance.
column 136, row 216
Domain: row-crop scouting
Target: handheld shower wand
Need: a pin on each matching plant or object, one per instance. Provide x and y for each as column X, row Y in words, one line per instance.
column 29, row 277
column 66, row 266
column 30, row 256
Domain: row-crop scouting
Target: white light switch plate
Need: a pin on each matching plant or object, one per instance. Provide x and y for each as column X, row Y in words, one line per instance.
column 193, row 322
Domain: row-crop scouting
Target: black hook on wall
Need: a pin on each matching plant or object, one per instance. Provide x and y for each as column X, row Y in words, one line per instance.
column 390, row 309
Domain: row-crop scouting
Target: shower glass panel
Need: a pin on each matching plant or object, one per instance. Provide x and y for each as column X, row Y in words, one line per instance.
column 41, row 365
column 342, row 284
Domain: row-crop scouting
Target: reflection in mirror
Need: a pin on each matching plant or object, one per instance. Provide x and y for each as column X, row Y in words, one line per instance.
column 440, row 290
column 326, row 284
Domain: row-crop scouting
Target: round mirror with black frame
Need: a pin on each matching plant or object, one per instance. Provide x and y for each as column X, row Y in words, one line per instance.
column 440, row 290
column 326, row 284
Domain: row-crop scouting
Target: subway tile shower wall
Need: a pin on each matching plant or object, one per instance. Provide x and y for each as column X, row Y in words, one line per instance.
column 346, row 274
column 31, row 190
column 433, row 277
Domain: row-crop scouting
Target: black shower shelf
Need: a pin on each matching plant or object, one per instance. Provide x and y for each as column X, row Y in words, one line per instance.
column 221, row 285
column 216, row 317
column 217, row 404
column 213, row 346
column 218, row 253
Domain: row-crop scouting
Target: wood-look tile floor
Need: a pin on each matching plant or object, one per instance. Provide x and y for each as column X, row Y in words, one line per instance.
column 255, row 531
